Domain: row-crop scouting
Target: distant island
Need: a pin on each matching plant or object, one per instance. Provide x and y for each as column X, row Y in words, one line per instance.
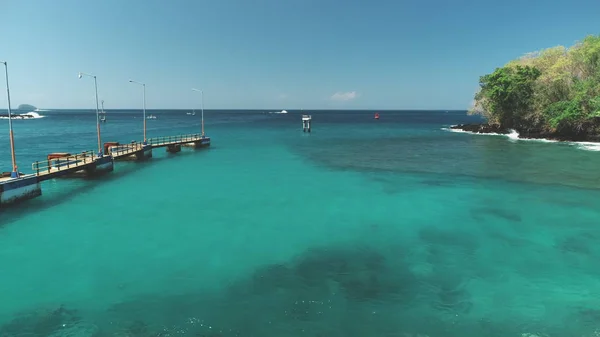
column 551, row 94
column 27, row 107
column 23, row 107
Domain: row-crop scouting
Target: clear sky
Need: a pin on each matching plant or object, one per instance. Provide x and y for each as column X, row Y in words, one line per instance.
column 277, row 54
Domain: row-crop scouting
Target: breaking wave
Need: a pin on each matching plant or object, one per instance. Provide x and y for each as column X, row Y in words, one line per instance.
column 514, row 136
column 28, row 115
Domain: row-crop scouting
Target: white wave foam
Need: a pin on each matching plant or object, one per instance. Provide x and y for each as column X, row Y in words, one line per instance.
column 28, row 115
column 514, row 136
column 589, row 146
column 473, row 133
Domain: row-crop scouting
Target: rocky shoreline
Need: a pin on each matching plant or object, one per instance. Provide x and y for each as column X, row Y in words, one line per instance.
column 529, row 134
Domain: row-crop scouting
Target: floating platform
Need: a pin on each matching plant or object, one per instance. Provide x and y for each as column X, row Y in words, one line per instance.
column 86, row 163
column 306, row 123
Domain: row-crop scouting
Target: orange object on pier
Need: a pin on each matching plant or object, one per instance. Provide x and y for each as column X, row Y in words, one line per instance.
column 58, row 155
column 109, row 144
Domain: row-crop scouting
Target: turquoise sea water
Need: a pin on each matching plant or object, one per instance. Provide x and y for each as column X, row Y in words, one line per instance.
column 362, row 228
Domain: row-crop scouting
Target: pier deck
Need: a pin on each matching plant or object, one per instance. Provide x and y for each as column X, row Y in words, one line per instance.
column 129, row 150
column 21, row 176
column 87, row 161
column 178, row 140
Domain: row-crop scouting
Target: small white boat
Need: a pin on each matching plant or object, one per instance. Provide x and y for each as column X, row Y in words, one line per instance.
column 151, row 117
column 278, row 112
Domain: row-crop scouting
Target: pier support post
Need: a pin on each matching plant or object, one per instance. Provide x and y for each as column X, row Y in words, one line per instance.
column 102, row 165
column 133, row 151
column 201, row 143
column 174, row 148
column 146, row 151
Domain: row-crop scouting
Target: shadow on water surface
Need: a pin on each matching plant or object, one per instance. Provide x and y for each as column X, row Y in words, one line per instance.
column 73, row 187
column 326, row 291
column 456, row 155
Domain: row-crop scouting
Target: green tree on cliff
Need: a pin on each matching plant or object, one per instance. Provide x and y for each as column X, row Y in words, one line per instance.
column 556, row 90
column 507, row 94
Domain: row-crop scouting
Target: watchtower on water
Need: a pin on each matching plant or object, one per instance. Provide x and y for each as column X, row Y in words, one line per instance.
column 306, row 119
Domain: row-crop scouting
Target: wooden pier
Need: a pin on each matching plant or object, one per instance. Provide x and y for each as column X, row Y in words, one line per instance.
column 88, row 164
column 141, row 151
column 128, row 151
column 16, row 186
column 193, row 140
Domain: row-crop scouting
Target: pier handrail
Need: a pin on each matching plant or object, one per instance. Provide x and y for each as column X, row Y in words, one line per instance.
column 120, row 149
column 62, row 163
column 174, row 139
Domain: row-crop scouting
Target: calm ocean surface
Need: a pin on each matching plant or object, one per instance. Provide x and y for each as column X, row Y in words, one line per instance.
column 362, row 228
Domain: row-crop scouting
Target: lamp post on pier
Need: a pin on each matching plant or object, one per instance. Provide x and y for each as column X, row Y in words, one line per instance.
column 97, row 111
column 202, row 107
column 14, row 173
column 144, row 107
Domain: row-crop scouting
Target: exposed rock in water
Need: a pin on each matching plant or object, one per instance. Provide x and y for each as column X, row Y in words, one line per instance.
column 53, row 322
column 480, row 128
column 589, row 135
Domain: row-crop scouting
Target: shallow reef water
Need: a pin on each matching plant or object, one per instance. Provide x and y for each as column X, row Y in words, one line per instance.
column 391, row 228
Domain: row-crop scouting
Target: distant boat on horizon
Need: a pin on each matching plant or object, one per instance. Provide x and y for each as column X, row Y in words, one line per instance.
column 376, row 115
column 150, row 117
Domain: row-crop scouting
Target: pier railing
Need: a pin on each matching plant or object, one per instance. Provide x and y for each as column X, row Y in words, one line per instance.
column 174, row 139
column 63, row 163
column 122, row 149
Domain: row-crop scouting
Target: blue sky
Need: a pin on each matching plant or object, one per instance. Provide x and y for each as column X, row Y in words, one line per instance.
column 278, row 54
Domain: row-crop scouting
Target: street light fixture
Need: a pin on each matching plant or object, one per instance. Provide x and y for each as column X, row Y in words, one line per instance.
column 80, row 75
column 202, row 107
column 14, row 173
column 144, row 106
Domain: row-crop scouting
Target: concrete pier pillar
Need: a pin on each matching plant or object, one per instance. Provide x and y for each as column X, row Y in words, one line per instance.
column 102, row 165
column 174, row 148
column 147, row 151
column 204, row 142
column 16, row 190
column 133, row 151
column 144, row 153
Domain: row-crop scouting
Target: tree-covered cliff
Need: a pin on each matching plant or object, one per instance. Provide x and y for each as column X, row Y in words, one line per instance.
column 553, row 92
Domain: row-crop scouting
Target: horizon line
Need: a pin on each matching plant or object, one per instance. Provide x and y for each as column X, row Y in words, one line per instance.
column 242, row 109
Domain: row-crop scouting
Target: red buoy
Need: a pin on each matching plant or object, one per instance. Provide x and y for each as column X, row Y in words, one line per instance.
column 377, row 115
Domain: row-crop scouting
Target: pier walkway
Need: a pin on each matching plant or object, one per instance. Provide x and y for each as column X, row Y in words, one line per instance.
column 140, row 151
column 133, row 150
column 178, row 140
column 87, row 164
column 63, row 164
